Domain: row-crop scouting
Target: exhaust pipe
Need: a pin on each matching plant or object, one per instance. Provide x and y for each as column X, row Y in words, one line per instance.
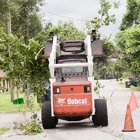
column 94, row 34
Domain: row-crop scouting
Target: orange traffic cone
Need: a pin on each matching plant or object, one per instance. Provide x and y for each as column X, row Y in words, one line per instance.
column 133, row 102
column 128, row 125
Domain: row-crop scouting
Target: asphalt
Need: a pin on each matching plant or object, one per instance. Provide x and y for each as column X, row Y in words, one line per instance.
column 117, row 100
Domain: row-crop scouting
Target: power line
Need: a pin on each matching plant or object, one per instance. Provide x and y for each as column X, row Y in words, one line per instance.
column 69, row 17
column 66, row 17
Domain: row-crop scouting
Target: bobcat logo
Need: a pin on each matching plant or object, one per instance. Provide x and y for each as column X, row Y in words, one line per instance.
column 61, row 101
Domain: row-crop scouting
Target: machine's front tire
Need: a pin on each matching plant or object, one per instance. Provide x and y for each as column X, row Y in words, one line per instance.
column 47, row 120
column 101, row 117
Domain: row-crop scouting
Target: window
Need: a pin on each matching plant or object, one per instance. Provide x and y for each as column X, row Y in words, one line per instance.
column 72, row 69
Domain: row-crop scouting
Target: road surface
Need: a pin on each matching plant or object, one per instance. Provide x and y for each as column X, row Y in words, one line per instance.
column 117, row 100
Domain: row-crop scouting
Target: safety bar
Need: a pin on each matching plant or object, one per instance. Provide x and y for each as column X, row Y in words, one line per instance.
column 69, row 65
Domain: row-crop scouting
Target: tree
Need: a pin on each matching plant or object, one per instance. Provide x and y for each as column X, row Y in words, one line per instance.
column 64, row 30
column 132, row 15
column 67, row 30
column 25, row 20
column 3, row 10
column 121, row 68
column 6, row 9
column 104, row 18
column 104, row 70
column 128, row 43
column 21, row 66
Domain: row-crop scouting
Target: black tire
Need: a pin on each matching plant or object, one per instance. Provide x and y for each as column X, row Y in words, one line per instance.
column 56, row 120
column 127, row 85
column 135, row 84
column 47, row 120
column 46, row 96
column 101, row 117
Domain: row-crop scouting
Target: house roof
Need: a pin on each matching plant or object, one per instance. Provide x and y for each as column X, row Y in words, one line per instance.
column 2, row 74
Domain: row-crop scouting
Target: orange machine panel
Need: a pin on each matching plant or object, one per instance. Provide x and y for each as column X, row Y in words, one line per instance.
column 73, row 104
column 71, row 89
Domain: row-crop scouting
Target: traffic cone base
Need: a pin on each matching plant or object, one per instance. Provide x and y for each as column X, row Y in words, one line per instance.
column 128, row 130
column 128, row 125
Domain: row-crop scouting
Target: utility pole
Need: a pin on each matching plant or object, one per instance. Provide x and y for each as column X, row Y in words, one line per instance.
column 9, row 55
column 9, row 23
column 9, row 30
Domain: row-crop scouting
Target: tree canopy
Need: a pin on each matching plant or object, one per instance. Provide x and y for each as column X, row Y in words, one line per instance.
column 19, row 49
column 132, row 15
column 23, row 16
column 21, row 65
column 127, row 39
column 129, row 44
column 104, row 18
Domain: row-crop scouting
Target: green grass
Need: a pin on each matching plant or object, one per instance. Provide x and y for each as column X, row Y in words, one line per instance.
column 6, row 106
column 135, row 88
column 3, row 130
column 122, row 84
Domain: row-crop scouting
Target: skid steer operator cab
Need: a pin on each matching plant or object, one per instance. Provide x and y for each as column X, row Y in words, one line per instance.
column 71, row 83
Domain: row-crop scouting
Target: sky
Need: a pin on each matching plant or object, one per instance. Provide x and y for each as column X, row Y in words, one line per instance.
column 78, row 11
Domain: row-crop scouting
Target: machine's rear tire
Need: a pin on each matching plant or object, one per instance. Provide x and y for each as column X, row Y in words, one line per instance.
column 56, row 120
column 101, row 117
column 47, row 120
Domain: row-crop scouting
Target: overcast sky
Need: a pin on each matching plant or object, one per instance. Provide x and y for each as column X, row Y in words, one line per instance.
column 79, row 11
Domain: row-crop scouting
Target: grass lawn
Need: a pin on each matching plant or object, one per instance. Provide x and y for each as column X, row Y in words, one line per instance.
column 7, row 106
column 3, row 130
column 135, row 88
column 122, row 84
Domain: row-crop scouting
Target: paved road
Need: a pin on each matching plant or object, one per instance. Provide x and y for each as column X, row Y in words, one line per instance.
column 117, row 99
